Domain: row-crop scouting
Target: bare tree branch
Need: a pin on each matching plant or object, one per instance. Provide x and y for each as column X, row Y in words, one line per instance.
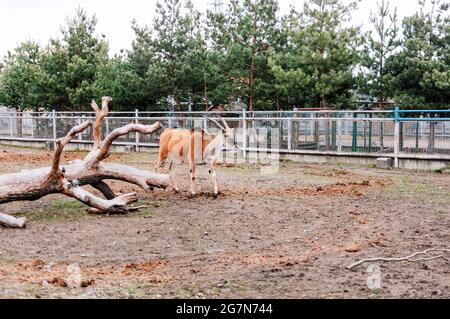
column 12, row 222
column 104, row 189
column 61, row 143
column 100, row 115
column 36, row 183
column 410, row 258
column 107, row 142
column 93, row 201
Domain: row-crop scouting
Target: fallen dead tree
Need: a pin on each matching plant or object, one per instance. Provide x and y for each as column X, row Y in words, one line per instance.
column 29, row 185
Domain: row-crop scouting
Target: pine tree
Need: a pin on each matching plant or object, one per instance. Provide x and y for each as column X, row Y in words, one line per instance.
column 85, row 52
column 150, row 83
column 242, row 37
column 322, row 54
column 20, row 76
column 168, row 44
column 421, row 69
column 378, row 48
column 194, row 58
column 69, row 65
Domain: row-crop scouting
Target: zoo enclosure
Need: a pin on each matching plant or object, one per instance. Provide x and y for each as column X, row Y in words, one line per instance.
column 423, row 134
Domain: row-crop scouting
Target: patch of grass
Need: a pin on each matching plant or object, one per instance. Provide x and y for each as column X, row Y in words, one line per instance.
column 151, row 210
column 141, row 157
column 155, row 204
column 445, row 170
column 418, row 189
column 22, row 147
column 57, row 210
column 70, row 210
column 67, row 204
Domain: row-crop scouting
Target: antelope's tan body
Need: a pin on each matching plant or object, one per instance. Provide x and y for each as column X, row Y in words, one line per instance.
column 193, row 147
column 184, row 146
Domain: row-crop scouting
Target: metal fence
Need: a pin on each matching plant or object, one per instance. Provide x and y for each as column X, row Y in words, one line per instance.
column 396, row 134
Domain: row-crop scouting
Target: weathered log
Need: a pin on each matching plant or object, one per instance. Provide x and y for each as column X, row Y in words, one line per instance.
column 69, row 179
column 99, row 203
column 12, row 222
column 34, row 184
column 104, row 188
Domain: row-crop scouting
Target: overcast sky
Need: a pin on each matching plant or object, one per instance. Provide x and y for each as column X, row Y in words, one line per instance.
column 41, row 19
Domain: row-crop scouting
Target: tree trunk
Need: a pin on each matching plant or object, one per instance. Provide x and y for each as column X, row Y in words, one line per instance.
column 205, row 86
column 68, row 180
column 251, row 98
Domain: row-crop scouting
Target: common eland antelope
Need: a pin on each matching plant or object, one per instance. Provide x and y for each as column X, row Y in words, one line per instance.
column 194, row 147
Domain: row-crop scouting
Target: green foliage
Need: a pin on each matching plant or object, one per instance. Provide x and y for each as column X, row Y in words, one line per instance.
column 241, row 39
column 376, row 81
column 60, row 76
column 303, row 59
column 316, row 66
column 20, row 76
column 85, row 53
column 117, row 78
column 421, row 70
column 170, row 60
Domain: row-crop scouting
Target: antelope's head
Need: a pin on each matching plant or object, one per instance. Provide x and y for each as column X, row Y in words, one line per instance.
column 107, row 99
column 228, row 133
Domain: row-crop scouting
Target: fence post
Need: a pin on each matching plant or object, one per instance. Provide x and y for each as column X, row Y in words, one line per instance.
column 11, row 130
column 107, row 125
column 370, row 132
column 401, row 140
column 339, row 134
column 289, row 134
column 136, row 116
column 327, row 132
column 355, row 133
column 417, row 136
column 80, row 136
column 333, row 132
column 317, row 131
column 54, row 128
column 431, row 138
column 295, row 129
column 205, row 125
column 396, row 137
column 32, row 125
column 244, row 132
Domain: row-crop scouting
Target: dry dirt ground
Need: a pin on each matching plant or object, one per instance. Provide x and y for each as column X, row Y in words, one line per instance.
column 285, row 235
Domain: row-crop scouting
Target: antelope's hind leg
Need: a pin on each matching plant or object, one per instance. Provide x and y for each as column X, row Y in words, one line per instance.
column 192, row 176
column 172, row 167
column 159, row 164
column 162, row 157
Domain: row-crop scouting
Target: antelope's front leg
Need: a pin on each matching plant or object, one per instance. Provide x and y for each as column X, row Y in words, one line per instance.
column 158, row 164
column 212, row 173
column 192, row 175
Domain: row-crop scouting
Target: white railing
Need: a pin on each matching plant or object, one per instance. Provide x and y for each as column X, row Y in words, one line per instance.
column 350, row 133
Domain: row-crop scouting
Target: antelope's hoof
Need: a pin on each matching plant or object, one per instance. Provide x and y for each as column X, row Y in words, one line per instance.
column 177, row 191
column 215, row 195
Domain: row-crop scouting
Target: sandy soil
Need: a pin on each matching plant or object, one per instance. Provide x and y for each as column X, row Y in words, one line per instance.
column 285, row 235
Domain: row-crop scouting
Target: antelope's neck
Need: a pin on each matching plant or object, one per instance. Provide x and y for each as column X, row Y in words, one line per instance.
column 215, row 146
